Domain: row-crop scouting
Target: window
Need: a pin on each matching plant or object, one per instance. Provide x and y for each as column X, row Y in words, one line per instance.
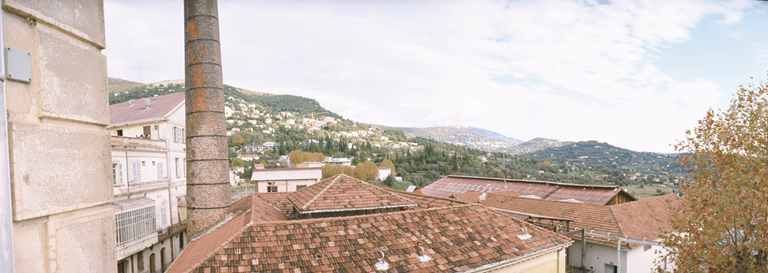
column 178, row 170
column 140, row 260
column 122, row 266
column 119, row 132
column 147, row 131
column 183, row 135
column 115, row 168
column 272, row 189
column 136, row 172
column 181, row 240
column 298, row 187
column 609, row 268
column 647, row 247
column 163, row 218
column 135, row 224
column 159, row 171
column 184, row 167
column 178, row 134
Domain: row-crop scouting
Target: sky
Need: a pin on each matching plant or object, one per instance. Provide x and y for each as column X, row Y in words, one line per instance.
column 635, row 74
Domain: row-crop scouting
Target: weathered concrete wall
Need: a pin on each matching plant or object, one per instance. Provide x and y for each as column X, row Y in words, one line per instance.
column 60, row 162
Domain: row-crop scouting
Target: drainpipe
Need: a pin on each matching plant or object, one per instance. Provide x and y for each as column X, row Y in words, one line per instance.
column 6, row 210
column 208, row 189
column 583, row 247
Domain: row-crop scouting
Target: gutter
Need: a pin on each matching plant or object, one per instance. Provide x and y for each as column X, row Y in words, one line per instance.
column 508, row 262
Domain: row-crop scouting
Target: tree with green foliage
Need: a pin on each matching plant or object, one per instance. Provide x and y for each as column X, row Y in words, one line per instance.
column 366, row 171
column 389, row 181
column 329, row 170
column 721, row 225
column 387, row 163
column 236, row 162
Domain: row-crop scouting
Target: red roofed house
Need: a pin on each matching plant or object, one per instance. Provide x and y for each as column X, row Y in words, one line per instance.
column 636, row 226
column 419, row 234
column 556, row 191
column 149, row 181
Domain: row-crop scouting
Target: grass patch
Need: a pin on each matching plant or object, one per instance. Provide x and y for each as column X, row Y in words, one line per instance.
column 648, row 191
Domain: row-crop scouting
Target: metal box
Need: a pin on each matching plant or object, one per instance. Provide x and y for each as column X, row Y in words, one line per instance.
column 18, row 65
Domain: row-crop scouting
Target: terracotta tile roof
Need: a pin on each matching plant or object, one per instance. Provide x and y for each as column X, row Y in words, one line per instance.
column 456, row 238
column 425, row 201
column 593, row 194
column 343, row 192
column 647, row 218
column 245, row 212
column 160, row 108
column 590, row 216
column 277, row 200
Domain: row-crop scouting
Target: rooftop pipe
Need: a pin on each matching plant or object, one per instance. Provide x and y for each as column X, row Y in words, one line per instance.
column 208, row 192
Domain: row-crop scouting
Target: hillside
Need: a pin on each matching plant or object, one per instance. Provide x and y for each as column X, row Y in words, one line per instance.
column 458, row 135
column 536, row 144
column 594, row 153
column 123, row 90
column 116, row 85
column 420, row 155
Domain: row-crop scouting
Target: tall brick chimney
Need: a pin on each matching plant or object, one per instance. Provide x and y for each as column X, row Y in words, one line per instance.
column 208, row 192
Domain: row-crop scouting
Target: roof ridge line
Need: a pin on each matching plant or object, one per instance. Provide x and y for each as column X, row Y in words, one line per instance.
column 385, row 191
column 321, row 192
column 618, row 225
column 384, row 214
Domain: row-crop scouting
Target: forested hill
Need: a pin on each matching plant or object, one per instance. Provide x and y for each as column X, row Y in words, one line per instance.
column 594, row 153
column 122, row 90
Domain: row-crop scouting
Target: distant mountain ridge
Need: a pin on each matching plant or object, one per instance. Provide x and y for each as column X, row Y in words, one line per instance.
column 595, row 153
column 478, row 138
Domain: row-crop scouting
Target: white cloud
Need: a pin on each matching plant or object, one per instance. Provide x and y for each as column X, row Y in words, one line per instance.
column 576, row 71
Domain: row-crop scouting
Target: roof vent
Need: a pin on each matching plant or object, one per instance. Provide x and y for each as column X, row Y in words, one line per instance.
column 382, row 264
column 524, row 236
column 130, row 103
column 147, row 103
column 423, row 257
column 483, row 196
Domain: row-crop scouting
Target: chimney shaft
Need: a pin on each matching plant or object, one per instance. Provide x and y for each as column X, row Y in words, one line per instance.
column 208, row 193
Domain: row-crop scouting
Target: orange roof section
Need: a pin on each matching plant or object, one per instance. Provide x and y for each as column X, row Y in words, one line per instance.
column 457, row 238
column 344, row 193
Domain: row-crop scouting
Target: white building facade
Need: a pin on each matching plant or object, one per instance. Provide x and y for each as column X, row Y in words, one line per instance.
column 285, row 180
column 149, row 182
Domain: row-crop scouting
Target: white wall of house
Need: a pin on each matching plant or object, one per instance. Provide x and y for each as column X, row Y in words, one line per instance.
column 284, row 185
column 598, row 256
column 641, row 259
column 383, row 173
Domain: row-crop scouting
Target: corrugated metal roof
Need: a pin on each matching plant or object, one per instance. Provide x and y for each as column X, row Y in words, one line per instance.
column 592, row 194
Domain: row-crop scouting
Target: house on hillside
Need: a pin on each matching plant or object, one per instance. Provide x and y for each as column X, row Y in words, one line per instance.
column 286, row 179
column 556, row 191
column 383, row 172
column 629, row 230
column 432, row 235
column 149, row 180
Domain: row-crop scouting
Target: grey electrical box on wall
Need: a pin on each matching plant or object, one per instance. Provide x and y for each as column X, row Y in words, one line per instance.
column 18, row 65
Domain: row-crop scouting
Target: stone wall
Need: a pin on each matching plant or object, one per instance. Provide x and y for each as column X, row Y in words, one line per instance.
column 59, row 149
